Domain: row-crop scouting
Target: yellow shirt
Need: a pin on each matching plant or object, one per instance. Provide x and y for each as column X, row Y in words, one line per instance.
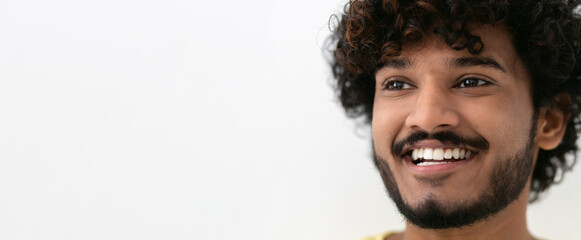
column 382, row 236
column 379, row 237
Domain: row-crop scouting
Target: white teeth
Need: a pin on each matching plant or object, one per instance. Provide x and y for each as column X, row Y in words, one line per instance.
column 448, row 154
column 428, row 153
column 456, row 153
column 430, row 163
column 439, row 154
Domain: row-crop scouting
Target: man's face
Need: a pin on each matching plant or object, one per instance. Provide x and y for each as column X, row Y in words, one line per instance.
column 454, row 132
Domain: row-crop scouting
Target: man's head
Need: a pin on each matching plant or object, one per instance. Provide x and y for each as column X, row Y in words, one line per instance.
column 468, row 100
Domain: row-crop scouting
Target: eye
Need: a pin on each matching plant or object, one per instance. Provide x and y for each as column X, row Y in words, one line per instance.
column 396, row 85
column 471, row 82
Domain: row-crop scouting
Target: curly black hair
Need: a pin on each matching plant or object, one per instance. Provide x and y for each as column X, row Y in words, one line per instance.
column 546, row 35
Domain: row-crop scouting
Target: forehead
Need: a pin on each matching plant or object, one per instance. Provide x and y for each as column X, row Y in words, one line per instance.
column 498, row 50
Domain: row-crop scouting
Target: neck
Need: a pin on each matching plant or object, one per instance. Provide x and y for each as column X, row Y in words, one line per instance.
column 509, row 223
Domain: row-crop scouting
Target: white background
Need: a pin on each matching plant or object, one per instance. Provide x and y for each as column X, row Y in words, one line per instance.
column 175, row 119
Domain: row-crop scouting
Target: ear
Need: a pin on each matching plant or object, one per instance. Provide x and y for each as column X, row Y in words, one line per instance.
column 553, row 121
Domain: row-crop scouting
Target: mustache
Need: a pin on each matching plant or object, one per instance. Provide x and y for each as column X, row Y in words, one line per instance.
column 478, row 142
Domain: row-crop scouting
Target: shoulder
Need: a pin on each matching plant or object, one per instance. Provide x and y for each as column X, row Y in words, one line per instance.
column 382, row 236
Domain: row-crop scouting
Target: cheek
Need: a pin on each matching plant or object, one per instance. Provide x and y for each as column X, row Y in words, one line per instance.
column 519, row 116
column 502, row 124
column 515, row 128
column 384, row 128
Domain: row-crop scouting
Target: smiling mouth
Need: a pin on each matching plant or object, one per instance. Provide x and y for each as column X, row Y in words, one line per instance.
column 436, row 156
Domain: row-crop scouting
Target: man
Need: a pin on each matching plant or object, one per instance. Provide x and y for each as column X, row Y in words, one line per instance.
column 473, row 106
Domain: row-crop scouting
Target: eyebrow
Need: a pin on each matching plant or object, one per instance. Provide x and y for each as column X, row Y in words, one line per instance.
column 404, row 63
column 477, row 61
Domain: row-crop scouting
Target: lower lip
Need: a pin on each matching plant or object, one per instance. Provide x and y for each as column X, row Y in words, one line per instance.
column 439, row 168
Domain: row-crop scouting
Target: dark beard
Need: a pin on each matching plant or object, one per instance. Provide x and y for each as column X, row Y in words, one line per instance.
column 507, row 181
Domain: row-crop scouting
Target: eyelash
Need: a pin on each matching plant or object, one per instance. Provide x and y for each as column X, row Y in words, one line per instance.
column 388, row 85
column 402, row 84
column 479, row 82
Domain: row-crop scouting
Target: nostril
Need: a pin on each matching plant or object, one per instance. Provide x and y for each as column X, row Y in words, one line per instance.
column 433, row 120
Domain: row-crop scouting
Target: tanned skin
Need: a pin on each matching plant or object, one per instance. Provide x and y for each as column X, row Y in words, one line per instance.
column 431, row 93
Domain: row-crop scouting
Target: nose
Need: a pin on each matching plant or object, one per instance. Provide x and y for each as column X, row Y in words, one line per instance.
column 433, row 111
